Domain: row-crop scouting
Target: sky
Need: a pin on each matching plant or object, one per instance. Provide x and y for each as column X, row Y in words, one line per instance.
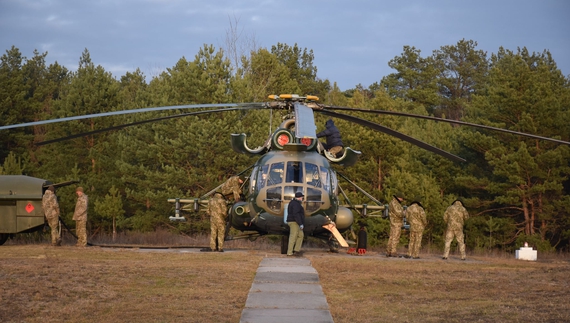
column 352, row 41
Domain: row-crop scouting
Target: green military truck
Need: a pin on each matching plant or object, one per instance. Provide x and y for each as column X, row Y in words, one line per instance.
column 21, row 204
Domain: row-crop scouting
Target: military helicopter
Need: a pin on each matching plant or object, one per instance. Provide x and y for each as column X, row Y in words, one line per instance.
column 291, row 160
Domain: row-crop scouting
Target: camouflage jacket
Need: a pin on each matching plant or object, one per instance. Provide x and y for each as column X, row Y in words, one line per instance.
column 416, row 217
column 50, row 205
column 232, row 186
column 80, row 213
column 455, row 216
column 217, row 207
column 396, row 211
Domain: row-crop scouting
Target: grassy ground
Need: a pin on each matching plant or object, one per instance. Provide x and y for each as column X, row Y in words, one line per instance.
column 68, row 284
column 39, row 283
column 379, row 289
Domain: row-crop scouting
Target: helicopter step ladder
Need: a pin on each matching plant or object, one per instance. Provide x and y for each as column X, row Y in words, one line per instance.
column 286, row 290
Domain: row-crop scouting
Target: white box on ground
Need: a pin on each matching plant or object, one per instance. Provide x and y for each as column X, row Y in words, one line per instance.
column 526, row 253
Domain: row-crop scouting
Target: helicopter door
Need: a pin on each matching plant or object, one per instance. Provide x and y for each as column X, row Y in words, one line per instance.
column 294, row 172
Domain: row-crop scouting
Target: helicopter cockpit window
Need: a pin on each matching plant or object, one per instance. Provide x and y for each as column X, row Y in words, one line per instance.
column 262, row 177
column 276, row 174
column 289, row 192
column 253, row 180
column 325, row 180
column 312, row 177
column 294, row 172
column 273, row 199
column 313, row 199
column 334, row 183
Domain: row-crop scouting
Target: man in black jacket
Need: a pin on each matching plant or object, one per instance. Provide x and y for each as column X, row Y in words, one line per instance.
column 334, row 142
column 296, row 222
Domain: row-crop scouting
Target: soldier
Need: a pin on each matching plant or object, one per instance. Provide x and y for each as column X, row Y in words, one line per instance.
column 396, row 211
column 417, row 218
column 217, row 209
column 334, row 141
column 455, row 217
column 51, row 211
column 296, row 223
column 80, row 217
column 232, row 188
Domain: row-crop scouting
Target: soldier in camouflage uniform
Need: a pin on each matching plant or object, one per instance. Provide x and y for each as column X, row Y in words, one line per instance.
column 455, row 217
column 396, row 211
column 80, row 217
column 417, row 218
column 231, row 188
column 51, row 211
column 217, row 209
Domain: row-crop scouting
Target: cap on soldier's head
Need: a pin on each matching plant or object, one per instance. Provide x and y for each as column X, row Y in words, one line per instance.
column 299, row 194
column 79, row 189
column 460, row 200
column 399, row 194
column 51, row 188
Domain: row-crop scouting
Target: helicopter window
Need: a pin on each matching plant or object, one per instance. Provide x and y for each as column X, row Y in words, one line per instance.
column 253, row 180
column 294, row 172
column 325, row 180
column 312, row 175
column 289, row 192
column 262, row 176
column 273, row 199
column 334, row 183
column 276, row 174
column 313, row 200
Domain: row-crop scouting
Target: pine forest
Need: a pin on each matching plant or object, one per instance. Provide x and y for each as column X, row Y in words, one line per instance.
column 516, row 189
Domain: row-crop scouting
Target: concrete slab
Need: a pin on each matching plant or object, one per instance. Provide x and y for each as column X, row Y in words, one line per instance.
column 281, row 277
column 286, row 300
column 285, row 316
column 284, row 262
column 286, row 290
column 287, row 269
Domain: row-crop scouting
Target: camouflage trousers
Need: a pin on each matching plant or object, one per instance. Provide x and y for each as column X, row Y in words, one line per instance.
column 395, row 231
column 449, row 235
column 54, row 226
column 217, row 233
column 81, row 231
column 415, row 243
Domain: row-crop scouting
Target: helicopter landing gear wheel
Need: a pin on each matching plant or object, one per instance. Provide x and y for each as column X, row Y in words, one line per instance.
column 284, row 244
column 4, row 237
column 333, row 245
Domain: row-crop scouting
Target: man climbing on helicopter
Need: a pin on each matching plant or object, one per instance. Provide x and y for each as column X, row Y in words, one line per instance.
column 334, row 141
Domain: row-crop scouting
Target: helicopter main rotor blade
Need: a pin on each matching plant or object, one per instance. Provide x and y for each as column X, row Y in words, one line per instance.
column 41, row 143
column 394, row 133
column 113, row 113
column 463, row 123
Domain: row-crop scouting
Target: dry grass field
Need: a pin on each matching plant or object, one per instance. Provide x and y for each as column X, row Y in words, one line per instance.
column 39, row 283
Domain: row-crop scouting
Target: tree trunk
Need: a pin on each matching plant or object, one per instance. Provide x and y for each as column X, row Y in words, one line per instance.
column 527, row 223
column 114, row 230
column 379, row 174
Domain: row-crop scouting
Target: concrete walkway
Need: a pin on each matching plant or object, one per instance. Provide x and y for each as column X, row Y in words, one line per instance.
column 286, row 290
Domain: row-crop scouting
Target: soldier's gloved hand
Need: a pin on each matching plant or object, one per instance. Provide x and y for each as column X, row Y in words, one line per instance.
column 301, row 227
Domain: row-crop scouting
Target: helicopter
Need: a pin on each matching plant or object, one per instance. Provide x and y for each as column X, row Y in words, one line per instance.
column 291, row 160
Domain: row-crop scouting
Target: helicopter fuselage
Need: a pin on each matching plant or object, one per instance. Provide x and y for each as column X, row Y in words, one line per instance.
column 275, row 179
